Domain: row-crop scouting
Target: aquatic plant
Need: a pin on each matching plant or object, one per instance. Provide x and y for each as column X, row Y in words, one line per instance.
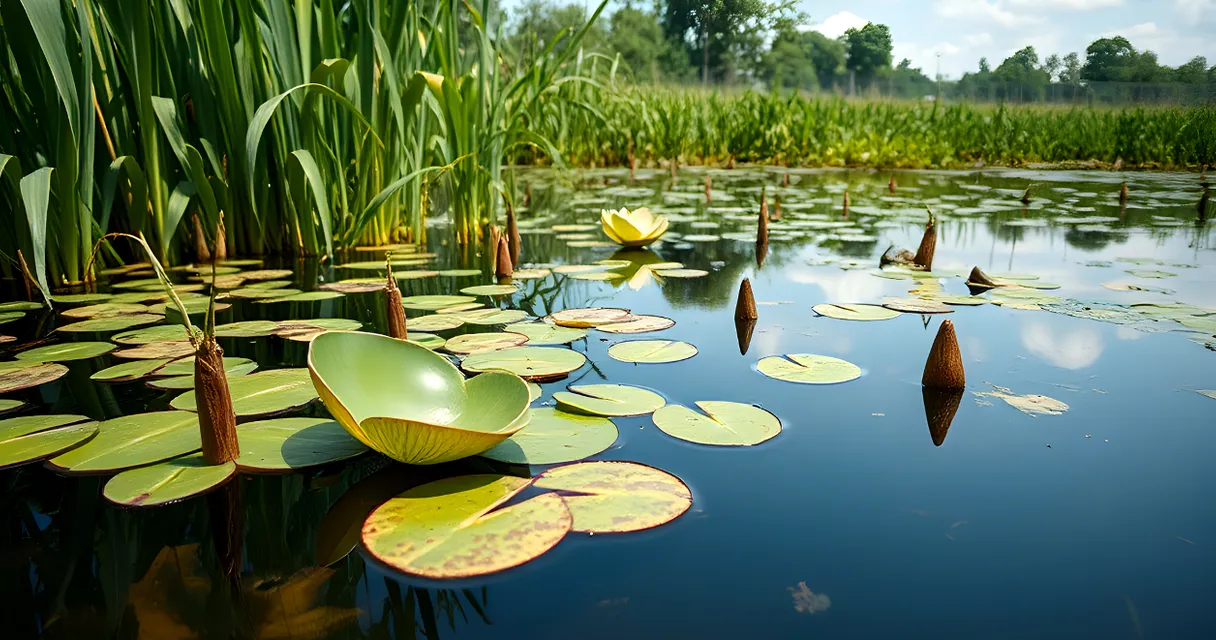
column 637, row 228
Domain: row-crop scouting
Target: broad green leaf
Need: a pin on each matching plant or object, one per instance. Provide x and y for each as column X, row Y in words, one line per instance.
column 104, row 310
column 435, row 322
column 807, row 368
column 543, row 333
column 726, row 424
column 111, row 323
column 529, row 363
column 36, row 195
column 261, row 394
column 163, row 333
column 23, row 374
column 128, row 371
column 167, row 482
column 9, row 405
column 588, row 317
column 553, row 436
column 608, row 400
column 651, row 351
column 31, row 438
column 863, row 312
column 617, row 497
column 66, row 351
column 431, row 303
column 287, row 444
column 171, row 349
column 134, row 441
column 479, row 342
column 490, row 290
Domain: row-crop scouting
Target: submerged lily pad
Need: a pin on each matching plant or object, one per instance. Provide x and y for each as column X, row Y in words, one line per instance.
column 23, row 374
column 167, row 482
column 261, row 394
column 134, row 441
column 608, row 400
column 431, row 303
column 529, row 363
column 543, row 333
column 651, row 351
column 490, row 290
column 637, row 324
column 618, row 497
column 1030, row 404
column 129, row 371
column 859, row 312
column 67, row 352
column 31, row 438
column 807, row 368
column 554, row 436
column 725, row 424
column 288, row 444
column 479, row 342
column 588, row 317
column 445, row 529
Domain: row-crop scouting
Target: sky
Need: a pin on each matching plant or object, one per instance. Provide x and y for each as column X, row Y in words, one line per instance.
column 963, row 31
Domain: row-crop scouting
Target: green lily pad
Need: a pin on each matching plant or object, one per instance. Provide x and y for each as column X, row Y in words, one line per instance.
column 157, row 350
column 185, row 366
column 608, row 400
column 186, row 381
column 20, row 305
column 378, row 265
column 261, row 293
column 529, row 363
column 460, row 273
column 1150, row 273
column 266, row 274
column 8, row 405
column 307, row 296
column 543, row 333
column 288, row 444
column 724, row 424
column 23, row 374
column 269, row 284
column 428, row 340
column 105, row 309
column 67, row 352
column 478, row 342
column 306, row 330
column 31, row 438
column 246, row 329
column 488, row 317
column 459, row 308
column 618, row 497
column 554, row 436
column 242, row 262
column 807, row 368
column 637, row 324
column 534, row 391
column 82, row 298
column 860, row 312
column 445, row 529
column 601, row 276
column 651, row 351
column 431, row 303
column 134, row 441
column 11, row 316
column 1206, row 324
column 354, row 285
column 1030, row 404
column 128, row 371
column 961, row 300
column 530, row 274
column 111, row 323
column 135, row 284
column 1207, row 392
column 436, row 322
column 162, row 333
column 586, row 318
column 261, row 394
column 681, row 273
column 491, row 290
column 916, row 305
column 167, row 482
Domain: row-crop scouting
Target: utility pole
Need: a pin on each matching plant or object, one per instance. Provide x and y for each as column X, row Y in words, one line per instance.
column 939, row 77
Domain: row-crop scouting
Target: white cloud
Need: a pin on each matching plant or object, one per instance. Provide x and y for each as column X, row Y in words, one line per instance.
column 1195, row 10
column 835, row 25
column 1068, row 350
column 981, row 11
column 1068, row 5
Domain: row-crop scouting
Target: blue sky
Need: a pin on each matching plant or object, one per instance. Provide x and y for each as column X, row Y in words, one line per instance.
column 962, row 31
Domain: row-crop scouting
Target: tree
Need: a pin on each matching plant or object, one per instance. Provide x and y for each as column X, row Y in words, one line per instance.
column 828, row 56
column 984, row 68
column 1072, row 69
column 1193, row 72
column 1106, row 59
column 709, row 29
column 868, row 48
column 537, row 23
column 1022, row 75
column 644, row 48
column 1052, row 66
column 787, row 63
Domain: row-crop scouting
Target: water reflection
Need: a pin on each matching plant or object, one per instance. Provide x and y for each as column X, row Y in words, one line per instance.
column 1073, row 349
column 940, row 407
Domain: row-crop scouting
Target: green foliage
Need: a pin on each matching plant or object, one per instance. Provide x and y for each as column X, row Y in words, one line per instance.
column 869, row 49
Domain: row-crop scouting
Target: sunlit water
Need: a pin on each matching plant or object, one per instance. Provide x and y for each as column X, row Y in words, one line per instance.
column 851, row 523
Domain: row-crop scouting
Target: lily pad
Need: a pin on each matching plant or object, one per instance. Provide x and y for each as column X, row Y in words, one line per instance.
column 82, row 298
column 31, row 438
column 105, row 309
column 490, row 290
column 21, row 305
column 489, row 317
column 134, row 441
column 460, row 273
column 9, row 405
column 307, row 296
column 354, row 285
column 428, row 341
column 543, row 333
column 807, row 368
column 588, row 317
column 261, row 394
column 167, row 482
column 261, row 293
column 449, row 528
column 288, row 444
column 530, row 274
column 617, row 497
column 725, row 424
column 479, row 342
column 554, row 436
column 860, row 312
column 162, row 333
column 246, row 329
column 651, row 351
column 1030, row 404
column 183, row 382
column 608, row 400
column 1150, row 273
column 529, row 363
column 306, row 330
column 431, row 303
column 11, row 316
column 23, row 374
column 637, row 324
column 916, row 305
column 459, row 308
column 157, row 350
column 436, row 322
column 110, row 323
column 681, row 273
column 128, row 371
column 185, row 366
column 266, row 274
column 67, row 352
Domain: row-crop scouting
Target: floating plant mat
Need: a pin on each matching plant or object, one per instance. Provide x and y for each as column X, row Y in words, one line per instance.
column 530, row 363
column 588, row 317
column 32, row 438
column 861, row 312
column 808, row 368
column 554, row 436
column 129, row 371
column 651, row 351
column 134, row 441
column 66, row 352
column 287, row 444
column 478, row 342
column 445, row 529
column 543, row 333
column 23, row 374
column 608, row 400
column 261, row 394
column 167, row 482
column 637, row 324
column 107, row 324
column 432, row 303
column 617, row 497
column 1030, row 404
column 723, row 424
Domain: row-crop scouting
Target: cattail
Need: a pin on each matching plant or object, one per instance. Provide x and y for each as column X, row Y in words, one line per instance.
column 202, row 254
column 528, row 195
column 743, row 332
column 1026, row 195
column 846, row 204
column 762, row 232
column 216, row 417
column 730, row 161
column 785, row 180
column 745, row 306
column 944, row 367
column 393, row 307
column 940, row 407
column 709, row 185
column 978, row 277
column 221, row 241
column 1123, row 194
column 928, row 243
column 513, row 237
column 891, row 186
column 502, row 264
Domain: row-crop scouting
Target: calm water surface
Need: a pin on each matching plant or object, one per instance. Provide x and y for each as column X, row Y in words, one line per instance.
column 853, row 522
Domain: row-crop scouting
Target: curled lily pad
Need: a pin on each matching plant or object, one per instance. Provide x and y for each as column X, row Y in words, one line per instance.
column 288, row 444
column 167, row 482
column 450, row 528
column 431, row 303
column 618, row 497
column 31, row 438
column 608, row 400
column 588, row 317
column 652, row 351
column 637, row 324
column 162, row 333
column 726, row 424
column 107, row 324
column 261, row 394
column 67, row 352
column 128, row 371
column 105, row 309
column 553, row 436
column 530, row 363
column 807, row 368
column 488, row 317
column 543, row 333
column 491, row 290
column 436, row 322
column 23, row 374
column 861, row 312
column 157, row 350
column 479, row 342
column 134, row 441
column 371, row 384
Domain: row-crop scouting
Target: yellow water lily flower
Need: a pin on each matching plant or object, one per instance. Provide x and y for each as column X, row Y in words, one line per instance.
column 633, row 229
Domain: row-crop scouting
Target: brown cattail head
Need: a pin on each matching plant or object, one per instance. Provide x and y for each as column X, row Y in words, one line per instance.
column 745, row 306
column 940, row 407
column 891, row 186
column 513, row 238
column 502, row 264
column 785, row 179
column 928, row 243
column 709, row 185
column 1026, row 195
column 730, row 161
column 527, row 194
column 944, row 367
column 216, row 418
column 393, row 309
column 202, row 254
column 220, row 253
column 979, row 277
column 743, row 332
column 1123, row 194
column 762, row 233
column 846, row 203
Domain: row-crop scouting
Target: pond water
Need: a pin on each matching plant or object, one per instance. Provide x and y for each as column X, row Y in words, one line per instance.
column 860, row 519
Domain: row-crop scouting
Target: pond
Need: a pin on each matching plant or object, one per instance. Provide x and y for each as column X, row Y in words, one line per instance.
column 1069, row 496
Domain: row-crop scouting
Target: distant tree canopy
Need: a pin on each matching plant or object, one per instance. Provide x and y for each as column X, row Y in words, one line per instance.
column 868, row 49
